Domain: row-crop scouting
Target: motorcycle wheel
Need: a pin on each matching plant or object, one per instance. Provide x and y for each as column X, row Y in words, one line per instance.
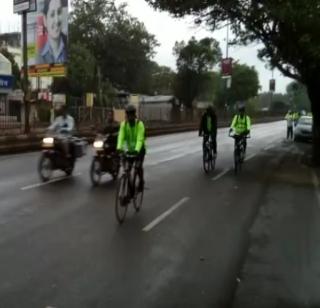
column 45, row 168
column 95, row 172
column 69, row 170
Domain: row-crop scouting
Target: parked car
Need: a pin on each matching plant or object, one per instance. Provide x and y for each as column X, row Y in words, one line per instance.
column 303, row 130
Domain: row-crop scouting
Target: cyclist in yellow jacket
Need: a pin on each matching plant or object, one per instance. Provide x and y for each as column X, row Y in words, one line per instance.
column 132, row 139
column 241, row 124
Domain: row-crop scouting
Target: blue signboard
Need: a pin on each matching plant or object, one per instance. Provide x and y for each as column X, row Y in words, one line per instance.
column 6, row 83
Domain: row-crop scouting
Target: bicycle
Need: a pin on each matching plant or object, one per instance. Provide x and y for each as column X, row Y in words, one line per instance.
column 209, row 157
column 128, row 188
column 239, row 151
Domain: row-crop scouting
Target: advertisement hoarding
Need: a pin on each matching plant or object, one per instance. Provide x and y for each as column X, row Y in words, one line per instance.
column 6, row 83
column 48, row 38
column 226, row 66
column 20, row 5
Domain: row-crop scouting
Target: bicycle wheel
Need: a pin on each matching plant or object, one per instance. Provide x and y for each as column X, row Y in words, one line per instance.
column 236, row 162
column 138, row 195
column 213, row 160
column 122, row 203
column 206, row 160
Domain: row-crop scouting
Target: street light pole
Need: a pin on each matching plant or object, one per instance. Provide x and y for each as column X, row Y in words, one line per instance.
column 25, row 72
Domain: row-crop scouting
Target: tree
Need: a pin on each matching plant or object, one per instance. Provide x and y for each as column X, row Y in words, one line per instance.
column 244, row 86
column 288, row 29
column 162, row 79
column 298, row 95
column 245, row 83
column 194, row 60
column 15, row 67
column 121, row 45
column 81, row 70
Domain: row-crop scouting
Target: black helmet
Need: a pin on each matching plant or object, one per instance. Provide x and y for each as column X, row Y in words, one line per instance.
column 242, row 106
column 209, row 109
column 130, row 109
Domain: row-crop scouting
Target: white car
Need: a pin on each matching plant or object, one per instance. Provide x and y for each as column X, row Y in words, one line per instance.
column 303, row 130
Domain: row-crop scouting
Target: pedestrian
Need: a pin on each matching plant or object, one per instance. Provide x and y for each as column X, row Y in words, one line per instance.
column 290, row 117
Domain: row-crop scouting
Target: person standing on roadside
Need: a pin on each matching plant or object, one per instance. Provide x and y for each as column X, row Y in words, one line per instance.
column 290, row 117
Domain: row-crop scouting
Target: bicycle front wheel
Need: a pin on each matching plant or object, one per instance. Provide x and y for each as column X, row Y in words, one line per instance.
column 139, row 192
column 206, row 161
column 122, row 199
column 237, row 162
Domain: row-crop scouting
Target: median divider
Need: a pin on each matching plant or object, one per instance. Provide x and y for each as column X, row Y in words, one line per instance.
column 32, row 142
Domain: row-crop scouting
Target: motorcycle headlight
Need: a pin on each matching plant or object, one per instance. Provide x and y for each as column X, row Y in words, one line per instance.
column 98, row 144
column 48, row 141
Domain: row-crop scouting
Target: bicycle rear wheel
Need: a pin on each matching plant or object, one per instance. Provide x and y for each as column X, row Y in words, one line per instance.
column 213, row 160
column 122, row 199
column 138, row 197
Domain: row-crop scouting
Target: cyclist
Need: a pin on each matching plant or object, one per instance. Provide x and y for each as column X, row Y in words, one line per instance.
column 241, row 124
column 132, row 138
column 208, row 128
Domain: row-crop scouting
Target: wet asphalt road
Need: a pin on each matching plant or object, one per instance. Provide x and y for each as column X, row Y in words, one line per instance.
column 60, row 245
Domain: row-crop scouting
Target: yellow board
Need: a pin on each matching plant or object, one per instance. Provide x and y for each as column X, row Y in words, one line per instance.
column 89, row 99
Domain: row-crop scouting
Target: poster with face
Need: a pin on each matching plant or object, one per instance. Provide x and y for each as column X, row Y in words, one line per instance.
column 47, row 38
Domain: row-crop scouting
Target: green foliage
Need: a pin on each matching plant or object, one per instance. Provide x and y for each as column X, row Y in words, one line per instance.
column 245, row 85
column 298, row 95
column 162, row 79
column 82, row 68
column 194, row 60
column 119, row 43
column 15, row 67
column 288, row 28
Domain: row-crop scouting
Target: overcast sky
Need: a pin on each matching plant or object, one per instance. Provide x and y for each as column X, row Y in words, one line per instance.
column 168, row 30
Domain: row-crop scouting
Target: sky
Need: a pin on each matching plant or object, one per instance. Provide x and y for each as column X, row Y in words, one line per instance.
column 168, row 30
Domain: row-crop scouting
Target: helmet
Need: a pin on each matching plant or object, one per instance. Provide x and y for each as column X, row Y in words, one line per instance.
column 130, row 109
column 209, row 109
column 241, row 107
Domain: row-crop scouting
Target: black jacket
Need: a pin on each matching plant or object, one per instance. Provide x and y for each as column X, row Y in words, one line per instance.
column 203, row 125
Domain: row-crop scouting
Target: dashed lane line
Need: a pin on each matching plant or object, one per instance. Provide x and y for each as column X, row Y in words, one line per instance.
column 163, row 216
column 59, row 179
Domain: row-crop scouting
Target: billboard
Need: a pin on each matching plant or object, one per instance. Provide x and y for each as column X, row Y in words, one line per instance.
column 20, row 5
column 226, row 66
column 48, row 38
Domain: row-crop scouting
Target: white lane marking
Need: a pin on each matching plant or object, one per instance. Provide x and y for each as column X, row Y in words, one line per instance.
column 59, row 179
column 163, row 216
column 220, row 175
column 250, row 157
column 269, row 147
column 316, row 184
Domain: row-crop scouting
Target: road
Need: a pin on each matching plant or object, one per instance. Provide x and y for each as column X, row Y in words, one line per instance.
column 60, row 245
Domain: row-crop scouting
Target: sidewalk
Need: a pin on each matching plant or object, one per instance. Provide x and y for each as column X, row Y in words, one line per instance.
column 282, row 266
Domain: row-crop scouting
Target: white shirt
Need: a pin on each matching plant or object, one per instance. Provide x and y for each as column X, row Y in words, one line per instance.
column 63, row 124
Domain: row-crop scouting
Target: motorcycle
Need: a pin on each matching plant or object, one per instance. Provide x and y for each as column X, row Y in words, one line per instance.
column 54, row 158
column 105, row 161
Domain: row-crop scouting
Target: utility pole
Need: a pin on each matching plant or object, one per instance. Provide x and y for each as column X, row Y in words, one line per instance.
column 25, row 73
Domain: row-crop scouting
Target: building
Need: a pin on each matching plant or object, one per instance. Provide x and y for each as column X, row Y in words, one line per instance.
column 12, row 42
column 6, row 84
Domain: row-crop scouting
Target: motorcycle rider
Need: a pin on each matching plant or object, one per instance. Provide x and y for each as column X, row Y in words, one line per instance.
column 63, row 125
column 111, row 130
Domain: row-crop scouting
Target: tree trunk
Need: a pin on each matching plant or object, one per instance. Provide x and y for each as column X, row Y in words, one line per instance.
column 314, row 95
